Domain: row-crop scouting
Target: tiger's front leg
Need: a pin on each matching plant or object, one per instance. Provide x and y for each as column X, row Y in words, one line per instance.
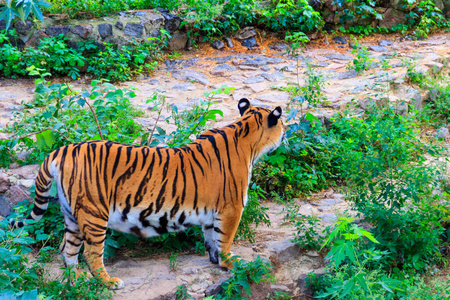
column 210, row 243
column 94, row 244
column 225, row 227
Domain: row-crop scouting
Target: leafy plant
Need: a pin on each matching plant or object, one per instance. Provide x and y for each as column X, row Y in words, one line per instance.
column 70, row 117
column 350, row 256
column 292, row 15
column 22, row 9
column 121, row 65
column 189, row 123
column 52, row 56
column 363, row 61
column 243, row 274
column 254, row 214
column 173, row 261
column 23, row 277
column 308, row 235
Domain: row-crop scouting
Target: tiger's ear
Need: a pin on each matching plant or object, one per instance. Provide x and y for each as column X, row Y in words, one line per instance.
column 274, row 116
column 243, row 105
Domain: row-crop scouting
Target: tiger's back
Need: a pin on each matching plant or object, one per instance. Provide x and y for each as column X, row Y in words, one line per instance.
column 149, row 191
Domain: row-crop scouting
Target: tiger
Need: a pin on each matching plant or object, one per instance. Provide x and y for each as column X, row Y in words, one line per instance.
column 149, row 191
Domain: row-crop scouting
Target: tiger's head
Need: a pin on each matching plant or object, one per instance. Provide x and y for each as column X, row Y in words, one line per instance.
column 267, row 126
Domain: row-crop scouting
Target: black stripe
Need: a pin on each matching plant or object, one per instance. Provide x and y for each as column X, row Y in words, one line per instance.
column 195, row 187
column 38, row 211
column 160, row 199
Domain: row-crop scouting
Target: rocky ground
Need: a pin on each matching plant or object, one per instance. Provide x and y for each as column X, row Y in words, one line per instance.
column 254, row 74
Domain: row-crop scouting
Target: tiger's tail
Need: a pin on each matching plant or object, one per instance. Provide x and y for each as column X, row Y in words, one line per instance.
column 44, row 181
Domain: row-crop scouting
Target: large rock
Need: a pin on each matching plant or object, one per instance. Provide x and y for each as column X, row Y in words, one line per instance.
column 5, row 184
column 23, row 28
column 134, row 29
column 152, row 21
column 17, row 194
column 36, row 38
column 246, row 33
column 83, row 30
column 171, row 22
column 26, row 172
column 216, row 288
column 55, row 30
column 391, row 18
column 105, row 30
column 283, row 251
column 177, row 42
column 5, row 206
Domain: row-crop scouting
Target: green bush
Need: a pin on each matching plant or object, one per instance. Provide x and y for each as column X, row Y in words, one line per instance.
column 350, row 276
column 52, row 55
column 59, row 116
column 292, row 15
column 243, row 274
column 24, row 277
column 121, row 65
column 253, row 215
column 304, row 164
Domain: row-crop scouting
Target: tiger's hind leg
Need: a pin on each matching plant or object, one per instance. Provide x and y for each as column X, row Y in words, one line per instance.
column 94, row 244
column 225, row 227
column 70, row 246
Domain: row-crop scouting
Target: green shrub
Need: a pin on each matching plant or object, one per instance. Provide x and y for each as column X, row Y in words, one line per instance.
column 350, row 276
column 121, row 65
column 52, row 56
column 292, row 15
column 304, row 164
column 310, row 235
column 243, row 274
column 363, row 61
column 69, row 117
column 24, row 277
column 253, row 215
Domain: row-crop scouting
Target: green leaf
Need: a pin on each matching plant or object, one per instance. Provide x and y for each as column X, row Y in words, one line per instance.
column 45, row 139
column 246, row 286
column 310, row 117
column 362, row 282
column 347, row 288
column 81, row 102
column 36, row 8
column 342, row 250
column 7, row 14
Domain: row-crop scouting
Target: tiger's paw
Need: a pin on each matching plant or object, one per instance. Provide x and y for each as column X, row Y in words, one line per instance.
column 116, row 283
column 226, row 260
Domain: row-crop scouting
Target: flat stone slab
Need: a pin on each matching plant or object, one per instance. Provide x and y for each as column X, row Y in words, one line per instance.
column 184, row 86
column 258, row 87
column 273, row 77
column 377, row 48
column 255, row 79
column 262, row 61
column 274, row 97
column 190, row 75
column 339, row 56
column 328, row 218
column 345, row 75
column 327, row 202
column 225, row 67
